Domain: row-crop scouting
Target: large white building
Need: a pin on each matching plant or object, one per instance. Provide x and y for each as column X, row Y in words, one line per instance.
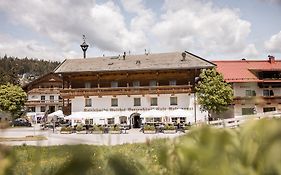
column 133, row 88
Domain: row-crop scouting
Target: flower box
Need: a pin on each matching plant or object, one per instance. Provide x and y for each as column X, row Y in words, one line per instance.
column 149, row 131
column 169, row 131
column 81, row 132
column 65, row 132
column 114, row 132
column 97, row 132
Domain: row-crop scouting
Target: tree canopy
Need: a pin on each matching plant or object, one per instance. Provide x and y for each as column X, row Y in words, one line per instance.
column 11, row 68
column 12, row 99
column 213, row 93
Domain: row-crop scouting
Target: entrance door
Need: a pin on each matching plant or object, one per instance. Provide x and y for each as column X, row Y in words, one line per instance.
column 136, row 120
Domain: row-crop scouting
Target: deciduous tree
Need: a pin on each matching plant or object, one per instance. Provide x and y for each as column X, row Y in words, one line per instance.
column 213, row 93
column 12, row 99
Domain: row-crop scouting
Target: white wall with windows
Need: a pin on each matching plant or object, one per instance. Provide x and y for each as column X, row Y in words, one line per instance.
column 252, row 89
column 164, row 101
column 40, row 100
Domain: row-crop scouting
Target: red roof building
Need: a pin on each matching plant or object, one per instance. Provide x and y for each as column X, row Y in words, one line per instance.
column 248, row 70
column 256, row 84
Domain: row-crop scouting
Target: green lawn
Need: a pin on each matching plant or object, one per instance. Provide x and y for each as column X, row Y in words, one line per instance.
column 253, row 149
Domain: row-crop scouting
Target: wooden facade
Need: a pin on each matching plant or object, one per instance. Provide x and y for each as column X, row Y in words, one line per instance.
column 101, row 84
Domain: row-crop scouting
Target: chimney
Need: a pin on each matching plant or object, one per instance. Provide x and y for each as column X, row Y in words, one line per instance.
column 271, row 59
column 183, row 56
column 124, row 55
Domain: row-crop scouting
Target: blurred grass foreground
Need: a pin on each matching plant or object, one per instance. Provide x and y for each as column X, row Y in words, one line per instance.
column 253, row 149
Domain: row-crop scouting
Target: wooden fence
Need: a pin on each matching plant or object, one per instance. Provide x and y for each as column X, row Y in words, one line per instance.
column 238, row 120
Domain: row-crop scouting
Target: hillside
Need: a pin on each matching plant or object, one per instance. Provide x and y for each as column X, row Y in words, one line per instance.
column 19, row 71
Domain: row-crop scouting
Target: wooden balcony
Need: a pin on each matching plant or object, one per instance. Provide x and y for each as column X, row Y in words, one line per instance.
column 45, row 91
column 257, row 99
column 43, row 102
column 71, row 93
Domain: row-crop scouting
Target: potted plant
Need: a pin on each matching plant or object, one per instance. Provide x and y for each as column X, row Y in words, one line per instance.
column 186, row 127
column 149, row 129
column 80, row 129
column 66, row 130
column 96, row 129
column 115, row 129
column 169, row 129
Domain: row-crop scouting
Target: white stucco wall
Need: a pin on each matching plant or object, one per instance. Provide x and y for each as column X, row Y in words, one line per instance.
column 185, row 101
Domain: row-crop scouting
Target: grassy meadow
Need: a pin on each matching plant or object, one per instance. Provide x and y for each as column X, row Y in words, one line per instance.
column 253, row 149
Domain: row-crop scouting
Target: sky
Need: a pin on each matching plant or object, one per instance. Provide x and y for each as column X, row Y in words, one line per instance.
column 212, row 29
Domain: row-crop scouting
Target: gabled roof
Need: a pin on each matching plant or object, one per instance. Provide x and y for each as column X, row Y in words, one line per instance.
column 243, row 70
column 51, row 77
column 134, row 62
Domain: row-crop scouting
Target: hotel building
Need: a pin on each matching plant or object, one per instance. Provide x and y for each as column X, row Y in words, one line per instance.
column 43, row 95
column 256, row 85
column 131, row 85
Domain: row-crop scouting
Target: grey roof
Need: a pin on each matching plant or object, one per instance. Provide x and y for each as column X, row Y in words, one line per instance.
column 158, row 61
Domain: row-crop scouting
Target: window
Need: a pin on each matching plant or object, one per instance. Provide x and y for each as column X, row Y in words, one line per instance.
column 88, row 102
column 114, row 84
column 123, row 120
column 42, row 98
column 153, row 83
column 248, row 111
column 136, row 83
column 173, row 82
column 91, row 121
column 269, row 109
column 114, row 102
column 110, row 121
column 153, row 101
column 137, row 101
column 250, row 93
column 42, row 109
column 31, row 109
column 173, row 101
column 268, row 93
column 180, row 119
column 52, row 98
column 87, row 85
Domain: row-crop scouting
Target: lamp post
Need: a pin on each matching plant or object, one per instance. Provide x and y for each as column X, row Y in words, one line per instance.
column 84, row 46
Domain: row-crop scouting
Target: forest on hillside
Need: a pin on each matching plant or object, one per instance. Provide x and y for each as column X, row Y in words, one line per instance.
column 12, row 69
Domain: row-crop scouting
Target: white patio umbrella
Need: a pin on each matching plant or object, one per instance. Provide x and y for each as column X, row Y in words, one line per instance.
column 58, row 113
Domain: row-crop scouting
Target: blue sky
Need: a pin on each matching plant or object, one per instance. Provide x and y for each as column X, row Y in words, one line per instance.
column 213, row 29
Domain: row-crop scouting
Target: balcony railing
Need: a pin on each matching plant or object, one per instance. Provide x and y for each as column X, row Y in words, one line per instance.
column 43, row 102
column 126, row 91
column 257, row 99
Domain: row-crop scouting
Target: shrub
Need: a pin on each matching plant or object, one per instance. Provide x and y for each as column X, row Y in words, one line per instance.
column 115, row 128
column 80, row 128
column 149, row 128
column 67, row 129
column 169, row 127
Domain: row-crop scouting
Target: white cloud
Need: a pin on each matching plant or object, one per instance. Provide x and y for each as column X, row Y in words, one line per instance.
column 250, row 51
column 274, row 43
column 200, row 26
column 64, row 22
column 31, row 49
